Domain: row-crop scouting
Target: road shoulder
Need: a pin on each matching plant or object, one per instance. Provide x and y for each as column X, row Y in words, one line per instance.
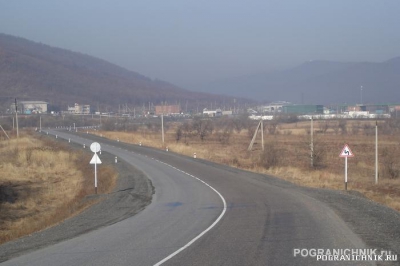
column 132, row 194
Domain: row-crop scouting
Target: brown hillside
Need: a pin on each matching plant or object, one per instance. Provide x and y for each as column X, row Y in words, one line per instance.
column 34, row 71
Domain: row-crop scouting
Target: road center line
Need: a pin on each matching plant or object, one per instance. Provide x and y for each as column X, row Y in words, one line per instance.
column 205, row 231
column 202, row 233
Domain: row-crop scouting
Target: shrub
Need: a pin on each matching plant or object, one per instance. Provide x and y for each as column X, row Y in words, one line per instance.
column 391, row 167
column 271, row 156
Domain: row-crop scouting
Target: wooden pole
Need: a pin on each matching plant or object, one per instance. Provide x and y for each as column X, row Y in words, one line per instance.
column 4, row 132
column 16, row 116
column 376, row 152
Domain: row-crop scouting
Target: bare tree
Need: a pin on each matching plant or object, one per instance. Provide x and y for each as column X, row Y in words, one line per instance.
column 178, row 134
column 202, row 127
column 271, row 156
column 324, row 126
column 184, row 130
column 343, row 126
column 272, row 126
column 225, row 135
column 368, row 130
column 391, row 167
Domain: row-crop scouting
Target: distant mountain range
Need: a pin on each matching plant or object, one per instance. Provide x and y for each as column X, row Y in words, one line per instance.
column 319, row 82
column 35, row 71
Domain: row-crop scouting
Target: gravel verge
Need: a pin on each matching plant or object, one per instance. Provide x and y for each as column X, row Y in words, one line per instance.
column 133, row 192
column 377, row 225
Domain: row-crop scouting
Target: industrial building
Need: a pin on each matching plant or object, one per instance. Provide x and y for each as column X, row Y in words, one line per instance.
column 275, row 107
column 370, row 108
column 303, row 109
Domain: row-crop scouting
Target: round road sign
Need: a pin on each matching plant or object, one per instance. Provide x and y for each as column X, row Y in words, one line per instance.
column 95, row 147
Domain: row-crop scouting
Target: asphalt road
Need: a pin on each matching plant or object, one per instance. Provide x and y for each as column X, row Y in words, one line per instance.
column 264, row 221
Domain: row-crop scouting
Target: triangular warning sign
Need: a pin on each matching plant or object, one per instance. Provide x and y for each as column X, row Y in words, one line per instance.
column 346, row 152
column 95, row 159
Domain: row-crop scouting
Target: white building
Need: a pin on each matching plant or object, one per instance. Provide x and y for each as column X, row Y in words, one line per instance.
column 212, row 113
column 275, row 107
column 79, row 109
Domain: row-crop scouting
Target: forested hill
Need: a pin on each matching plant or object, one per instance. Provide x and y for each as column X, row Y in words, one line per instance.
column 35, row 71
column 319, row 82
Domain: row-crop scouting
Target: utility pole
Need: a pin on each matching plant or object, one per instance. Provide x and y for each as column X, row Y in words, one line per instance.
column 361, row 95
column 16, row 116
column 262, row 134
column 376, row 152
column 312, row 142
column 40, row 123
column 98, row 110
column 4, row 132
column 260, row 124
column 162, row 128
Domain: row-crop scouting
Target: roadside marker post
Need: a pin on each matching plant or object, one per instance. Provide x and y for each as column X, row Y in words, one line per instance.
column 346, row 152
column 95, row 147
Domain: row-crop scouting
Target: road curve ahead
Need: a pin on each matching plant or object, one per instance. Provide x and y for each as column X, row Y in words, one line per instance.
column 265, row 220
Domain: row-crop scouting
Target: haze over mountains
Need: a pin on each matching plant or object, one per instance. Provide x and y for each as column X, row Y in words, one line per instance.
column 319, row 82
column 34, row 71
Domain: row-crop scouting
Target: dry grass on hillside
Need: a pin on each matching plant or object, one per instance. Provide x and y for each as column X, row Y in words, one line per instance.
column 42, row 183
column 287, row 154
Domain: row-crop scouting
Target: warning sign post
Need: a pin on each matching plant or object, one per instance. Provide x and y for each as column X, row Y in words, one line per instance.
column 95, row 147
column 346, row 152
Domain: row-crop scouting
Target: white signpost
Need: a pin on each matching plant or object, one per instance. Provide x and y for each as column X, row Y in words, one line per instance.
column 95, row 147
column 346, row 152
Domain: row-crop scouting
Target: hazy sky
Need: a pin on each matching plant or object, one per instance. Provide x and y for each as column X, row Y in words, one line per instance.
column 190, row 42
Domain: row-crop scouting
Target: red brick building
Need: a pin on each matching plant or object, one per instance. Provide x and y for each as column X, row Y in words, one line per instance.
column 167, row 109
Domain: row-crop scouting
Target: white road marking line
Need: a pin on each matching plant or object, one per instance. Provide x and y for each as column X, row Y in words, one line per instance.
column 202, row 233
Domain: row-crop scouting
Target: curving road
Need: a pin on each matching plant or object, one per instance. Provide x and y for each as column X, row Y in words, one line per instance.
column 263, row 221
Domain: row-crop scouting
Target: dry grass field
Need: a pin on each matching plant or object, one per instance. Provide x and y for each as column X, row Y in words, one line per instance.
column 287, row 152
column 42, row 183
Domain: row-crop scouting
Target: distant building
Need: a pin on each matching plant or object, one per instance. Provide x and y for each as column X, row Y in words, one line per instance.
column 212, row 113
column 251, row 111
column 371, row 108
column 79, row 109
column 303, row 109
column 275, row 107
column 227, row 112
column 167, row 109
column 30, row 107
